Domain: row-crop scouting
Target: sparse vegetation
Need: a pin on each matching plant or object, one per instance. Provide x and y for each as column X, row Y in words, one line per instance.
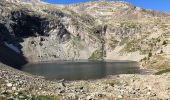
column 162, row 71
column 150, row 54
column 76, row 43
column 113, row 43
column 123, row 41
column 157, row 62
column 113, row 82
column 132, row 46
column 96, row 55
column 41, row 97
column 129, row 25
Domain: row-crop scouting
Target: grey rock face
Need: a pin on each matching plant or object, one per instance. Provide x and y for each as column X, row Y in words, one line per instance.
column 94, row 30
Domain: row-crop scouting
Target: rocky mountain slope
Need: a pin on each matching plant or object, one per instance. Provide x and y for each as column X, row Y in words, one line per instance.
column 93, row 30
column 35, row 31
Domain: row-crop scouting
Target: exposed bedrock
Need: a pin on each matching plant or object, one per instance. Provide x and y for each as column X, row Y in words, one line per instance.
column 117, row 31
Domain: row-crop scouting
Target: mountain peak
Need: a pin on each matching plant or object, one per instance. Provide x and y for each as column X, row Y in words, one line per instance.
column 19, row 1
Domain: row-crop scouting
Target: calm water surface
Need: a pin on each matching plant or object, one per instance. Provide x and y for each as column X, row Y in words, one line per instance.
column 81, row 70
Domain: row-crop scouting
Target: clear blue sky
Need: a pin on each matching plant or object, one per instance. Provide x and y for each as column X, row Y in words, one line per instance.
column 161, row 5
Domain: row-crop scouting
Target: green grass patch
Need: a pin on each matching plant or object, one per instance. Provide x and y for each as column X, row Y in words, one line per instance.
column 132, row 46
column 123, row 41
column 113, row 43
column 162, row 71
column 129, row 25
column 96, row 55
column 113, row 82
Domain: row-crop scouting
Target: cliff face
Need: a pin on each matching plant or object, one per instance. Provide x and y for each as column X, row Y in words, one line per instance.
column 94, row 30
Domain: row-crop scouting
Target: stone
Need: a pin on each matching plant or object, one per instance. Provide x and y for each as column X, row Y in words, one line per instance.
column 149, row 93
column 100, row 95
column 89, row 98
column 153, row 94
column 9, row 84
column 138, row 89
column 16, row 93
column 120, row 96
column 62, row 91
column 62, row 84
column 10, row 98
column 21, row 97
column 42, row 39
column 32, row 42
column 81, row 88
column 125, row 84
column 14, row 88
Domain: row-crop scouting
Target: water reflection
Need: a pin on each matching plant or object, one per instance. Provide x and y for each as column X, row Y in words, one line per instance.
column 80, row 70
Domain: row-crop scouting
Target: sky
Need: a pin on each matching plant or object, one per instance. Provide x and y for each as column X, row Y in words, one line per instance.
column 161, row 5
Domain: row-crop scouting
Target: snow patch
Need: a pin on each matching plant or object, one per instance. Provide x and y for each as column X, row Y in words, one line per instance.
column 11, row 46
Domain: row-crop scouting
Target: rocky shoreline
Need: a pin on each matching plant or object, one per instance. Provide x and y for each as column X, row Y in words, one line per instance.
column 19, row 85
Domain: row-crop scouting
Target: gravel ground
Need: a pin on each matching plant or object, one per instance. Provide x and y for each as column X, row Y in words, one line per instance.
column 19, row 85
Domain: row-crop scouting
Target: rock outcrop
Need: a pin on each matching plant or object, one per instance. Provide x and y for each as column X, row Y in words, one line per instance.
column 93, row 30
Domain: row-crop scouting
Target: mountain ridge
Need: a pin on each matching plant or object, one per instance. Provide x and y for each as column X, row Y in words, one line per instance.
column 93, row 30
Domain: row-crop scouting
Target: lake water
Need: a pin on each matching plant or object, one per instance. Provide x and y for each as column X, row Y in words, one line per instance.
column 81, row 70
